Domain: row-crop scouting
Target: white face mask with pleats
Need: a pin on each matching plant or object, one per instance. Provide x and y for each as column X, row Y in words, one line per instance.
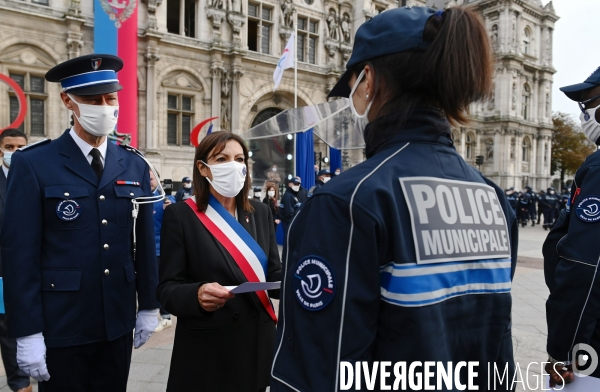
column 227, row 178
column 589, row 125
column 97, row 120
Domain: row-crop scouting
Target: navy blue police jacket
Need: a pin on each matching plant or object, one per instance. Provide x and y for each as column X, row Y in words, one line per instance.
column 67, row 244
column 354, row 239
column 573, row 307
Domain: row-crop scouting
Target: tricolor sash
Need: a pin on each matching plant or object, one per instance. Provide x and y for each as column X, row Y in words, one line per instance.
column 246, row 252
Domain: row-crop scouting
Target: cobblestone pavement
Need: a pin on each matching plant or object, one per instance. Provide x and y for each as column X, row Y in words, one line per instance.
column 150, row 364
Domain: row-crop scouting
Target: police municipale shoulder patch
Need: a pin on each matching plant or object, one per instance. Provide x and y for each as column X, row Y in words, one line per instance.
column 588, row 209
column 314, row 283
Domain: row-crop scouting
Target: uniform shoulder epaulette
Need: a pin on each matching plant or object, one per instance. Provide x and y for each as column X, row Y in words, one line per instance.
column 36, row 144
column 134, row 150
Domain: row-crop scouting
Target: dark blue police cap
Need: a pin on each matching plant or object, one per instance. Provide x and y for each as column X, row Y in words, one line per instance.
column 257, row 189
column 574, row 91
column 323, row 172
column 393, row 31
column 186, row 179
column 88, row 75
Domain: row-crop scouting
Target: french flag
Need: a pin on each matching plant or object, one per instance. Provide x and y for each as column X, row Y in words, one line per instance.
column 115, row 32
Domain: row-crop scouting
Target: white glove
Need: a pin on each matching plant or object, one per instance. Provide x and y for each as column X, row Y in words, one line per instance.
column 146, row 322
column 31, row 356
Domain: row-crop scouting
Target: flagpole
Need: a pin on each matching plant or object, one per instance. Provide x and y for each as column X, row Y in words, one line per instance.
column 296, row 60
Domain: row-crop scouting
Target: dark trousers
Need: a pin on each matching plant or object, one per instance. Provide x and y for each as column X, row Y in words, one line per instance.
column 15, row 377
column 94, row 367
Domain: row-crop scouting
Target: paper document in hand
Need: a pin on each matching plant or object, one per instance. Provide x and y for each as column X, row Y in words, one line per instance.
column 249, row 287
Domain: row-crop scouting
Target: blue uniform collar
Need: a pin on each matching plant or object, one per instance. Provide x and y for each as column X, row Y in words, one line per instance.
column 425, row 125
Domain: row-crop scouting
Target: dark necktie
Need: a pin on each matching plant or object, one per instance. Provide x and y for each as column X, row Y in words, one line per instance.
column 96, row 162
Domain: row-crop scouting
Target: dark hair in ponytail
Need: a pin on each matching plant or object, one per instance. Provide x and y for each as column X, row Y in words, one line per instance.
column 455, row 70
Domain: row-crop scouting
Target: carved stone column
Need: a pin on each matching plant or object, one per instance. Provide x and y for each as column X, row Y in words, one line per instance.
column 216, row 71
column 75, row 22
column 152, row 22
column 216, row 15
column 236, row 75
column 74, row 43
column 236, row 20
column 151, row 56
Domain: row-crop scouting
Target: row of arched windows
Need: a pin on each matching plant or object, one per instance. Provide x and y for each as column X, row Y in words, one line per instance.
column 488, row 147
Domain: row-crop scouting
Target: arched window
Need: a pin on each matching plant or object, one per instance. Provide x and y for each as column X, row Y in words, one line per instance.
column 455, row 137
column 526, row 149
column 525, row 98
column 469, row 147
column 526, row 41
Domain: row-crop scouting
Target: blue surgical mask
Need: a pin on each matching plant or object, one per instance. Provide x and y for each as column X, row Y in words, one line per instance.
column 7, row 157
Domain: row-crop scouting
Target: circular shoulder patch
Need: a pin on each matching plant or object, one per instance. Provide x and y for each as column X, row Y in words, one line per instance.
column 68, row 210
column 314, row 283
column 588, row 209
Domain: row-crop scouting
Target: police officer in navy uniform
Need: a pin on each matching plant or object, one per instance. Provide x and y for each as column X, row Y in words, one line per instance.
column 572, row 255
column 75, row 257
column 376, row 283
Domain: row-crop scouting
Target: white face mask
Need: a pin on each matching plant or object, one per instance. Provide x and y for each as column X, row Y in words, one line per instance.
column 296, row 188
column 256, row 194
column 325, row 179
column 337, row 173
column 227, row 178
column 187, row 185
column 271, row 193
column 360, row 120
column 7, row 157
column 591, row 128
column 97, row 120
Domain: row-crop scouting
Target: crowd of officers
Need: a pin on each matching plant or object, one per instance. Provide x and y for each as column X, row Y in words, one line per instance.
column 530, row 206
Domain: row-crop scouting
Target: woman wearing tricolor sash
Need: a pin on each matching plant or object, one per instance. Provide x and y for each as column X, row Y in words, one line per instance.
column 223, row 342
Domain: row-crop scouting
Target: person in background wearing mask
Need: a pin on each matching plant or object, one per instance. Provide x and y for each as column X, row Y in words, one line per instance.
column 257, row 193
column 374, row 288
column 572, row 252
column 323, row 176
column 512, row 198
column 337, row 172
column 159, row 208
column 17, row 380
column 290, row 203
column 186, row 191
column 73, row 275
column 220, row 237
column 302, row 192
column 272, row 201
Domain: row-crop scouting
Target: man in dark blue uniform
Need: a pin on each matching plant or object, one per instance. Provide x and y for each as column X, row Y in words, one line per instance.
column 186, row 190
column 17, row 380
column 549, row 203
column 572, row 255
column 77, row 251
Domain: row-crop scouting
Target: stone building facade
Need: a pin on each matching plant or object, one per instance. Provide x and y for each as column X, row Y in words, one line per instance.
column 205, row 58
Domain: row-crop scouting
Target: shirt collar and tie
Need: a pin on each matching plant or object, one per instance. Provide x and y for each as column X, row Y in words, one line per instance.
column 95, row 156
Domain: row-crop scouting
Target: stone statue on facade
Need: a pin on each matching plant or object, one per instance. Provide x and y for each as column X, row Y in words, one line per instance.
column 346, row 28
column 495, row 36
column 514, row 96
column 548, row 109
column 235, row 6
column 216, row 4
column 224, row 115
column 332, row 25
column 287, row 13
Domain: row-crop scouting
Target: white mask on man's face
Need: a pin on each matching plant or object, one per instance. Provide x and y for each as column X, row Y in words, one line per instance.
column 295, row 188
column 271, row 193
column 97, row 120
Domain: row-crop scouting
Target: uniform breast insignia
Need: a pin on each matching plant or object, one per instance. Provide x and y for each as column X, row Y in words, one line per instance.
column 36, row 144
column 314, row 283
column 68, row 210
column 123, row 182
column 588, row 209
